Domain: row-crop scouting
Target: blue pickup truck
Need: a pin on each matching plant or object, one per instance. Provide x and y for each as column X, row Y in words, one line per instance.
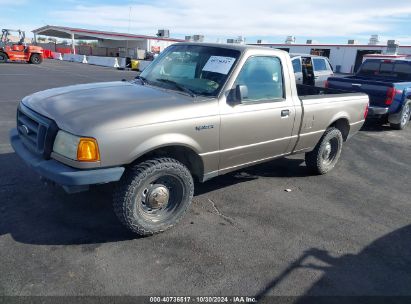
column 388, row 84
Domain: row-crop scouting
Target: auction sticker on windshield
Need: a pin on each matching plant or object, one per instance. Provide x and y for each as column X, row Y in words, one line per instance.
column 219, row 64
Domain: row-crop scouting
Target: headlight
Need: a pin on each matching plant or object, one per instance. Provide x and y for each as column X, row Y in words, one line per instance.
column 75, row 147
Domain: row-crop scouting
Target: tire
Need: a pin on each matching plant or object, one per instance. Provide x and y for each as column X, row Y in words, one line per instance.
column 153, row 196
column 326, row 154
column 405, row 117
column 3, row 57
column 36, row 59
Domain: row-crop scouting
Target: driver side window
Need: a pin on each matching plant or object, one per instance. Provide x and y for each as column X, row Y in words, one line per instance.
column 263, row 78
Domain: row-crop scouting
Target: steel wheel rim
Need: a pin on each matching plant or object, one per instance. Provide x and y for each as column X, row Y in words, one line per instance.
column 170, row 192
column 330, row 151
column 36, row 59
column 406, row 115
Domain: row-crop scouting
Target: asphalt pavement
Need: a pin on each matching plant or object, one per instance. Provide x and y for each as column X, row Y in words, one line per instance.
column 346, row 233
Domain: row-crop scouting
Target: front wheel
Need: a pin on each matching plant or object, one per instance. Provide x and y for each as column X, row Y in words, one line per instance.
column 325, row 155
column 153, row 196
column 405, row 117
column 36, row 59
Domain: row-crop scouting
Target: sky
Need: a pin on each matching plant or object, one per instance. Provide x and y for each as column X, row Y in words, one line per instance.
column 323, row 21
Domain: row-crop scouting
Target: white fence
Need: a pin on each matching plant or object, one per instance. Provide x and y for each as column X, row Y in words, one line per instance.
column 112, row 62
column 75, row 58
column 56, row 56
column 122, row 62
column 103, row 61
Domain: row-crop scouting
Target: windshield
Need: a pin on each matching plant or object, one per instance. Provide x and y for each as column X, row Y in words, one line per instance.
column 386, row 68
column 201, row 70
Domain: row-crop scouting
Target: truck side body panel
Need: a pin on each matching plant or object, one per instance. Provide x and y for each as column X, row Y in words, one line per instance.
column 321, row 112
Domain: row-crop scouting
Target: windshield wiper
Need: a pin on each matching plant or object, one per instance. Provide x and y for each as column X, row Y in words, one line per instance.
column 142, row 79
column 178, row 86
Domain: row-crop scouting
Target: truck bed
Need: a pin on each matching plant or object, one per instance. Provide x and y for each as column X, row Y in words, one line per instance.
column 307, row 91
column 375, row 87
column 387, row 82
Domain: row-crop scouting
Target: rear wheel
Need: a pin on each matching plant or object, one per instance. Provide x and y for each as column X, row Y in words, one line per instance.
column 405, row 118
column 3, row 57
column 325, row 155
column 36, row 59
column 153, row 196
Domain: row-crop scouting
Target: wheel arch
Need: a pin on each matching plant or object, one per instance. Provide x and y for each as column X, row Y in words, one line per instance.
column 343, row 125
column 36, row 53
column 183, row 153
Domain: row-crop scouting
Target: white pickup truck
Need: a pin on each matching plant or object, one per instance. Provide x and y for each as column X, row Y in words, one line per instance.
column 311, row 69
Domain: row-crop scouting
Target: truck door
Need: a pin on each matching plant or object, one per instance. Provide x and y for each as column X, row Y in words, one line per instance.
column 322, row 71
column 298, row 71
column 261, row 126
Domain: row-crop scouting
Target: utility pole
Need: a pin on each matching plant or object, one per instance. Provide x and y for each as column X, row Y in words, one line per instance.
column 129, row 24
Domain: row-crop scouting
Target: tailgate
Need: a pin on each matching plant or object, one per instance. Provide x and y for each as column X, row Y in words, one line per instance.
column 376, row 90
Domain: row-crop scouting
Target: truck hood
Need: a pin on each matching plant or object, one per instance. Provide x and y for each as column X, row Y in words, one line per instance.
column 83, row 108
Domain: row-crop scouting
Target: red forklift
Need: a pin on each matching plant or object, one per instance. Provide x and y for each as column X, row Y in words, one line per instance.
column 18, row 51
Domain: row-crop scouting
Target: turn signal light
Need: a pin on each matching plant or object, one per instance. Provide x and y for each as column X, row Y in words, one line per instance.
column 87, row 150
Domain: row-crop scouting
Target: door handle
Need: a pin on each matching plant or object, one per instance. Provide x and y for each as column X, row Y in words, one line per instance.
column 285, row 113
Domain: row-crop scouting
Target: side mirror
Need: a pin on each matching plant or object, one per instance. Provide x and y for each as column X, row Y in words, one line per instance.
column 241, row 92
column 238, row 94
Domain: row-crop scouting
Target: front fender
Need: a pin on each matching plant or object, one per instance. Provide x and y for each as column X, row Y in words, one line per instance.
column 164, row 140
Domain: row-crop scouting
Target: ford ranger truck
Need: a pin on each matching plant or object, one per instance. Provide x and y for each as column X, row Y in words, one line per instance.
column 197, row 112
column 388, row 84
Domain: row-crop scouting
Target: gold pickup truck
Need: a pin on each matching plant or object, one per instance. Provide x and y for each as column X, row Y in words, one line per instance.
column 198, row 111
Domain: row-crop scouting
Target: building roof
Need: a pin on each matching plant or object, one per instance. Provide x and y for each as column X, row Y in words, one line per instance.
column 287, row 45
column 85, row 34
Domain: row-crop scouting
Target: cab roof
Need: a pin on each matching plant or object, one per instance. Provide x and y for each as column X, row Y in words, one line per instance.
column 231, row 46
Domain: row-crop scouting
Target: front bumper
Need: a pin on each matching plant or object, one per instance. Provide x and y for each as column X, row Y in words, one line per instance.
column 72, row 180
column 377, row 111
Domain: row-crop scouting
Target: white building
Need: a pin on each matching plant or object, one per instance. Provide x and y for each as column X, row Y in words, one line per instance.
column 345, row 58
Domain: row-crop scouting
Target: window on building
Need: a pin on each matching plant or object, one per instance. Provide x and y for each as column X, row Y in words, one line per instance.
column 284, row 49
column 321, row 52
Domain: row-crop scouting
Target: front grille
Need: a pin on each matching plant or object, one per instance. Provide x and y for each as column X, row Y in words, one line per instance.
column 36, row 131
